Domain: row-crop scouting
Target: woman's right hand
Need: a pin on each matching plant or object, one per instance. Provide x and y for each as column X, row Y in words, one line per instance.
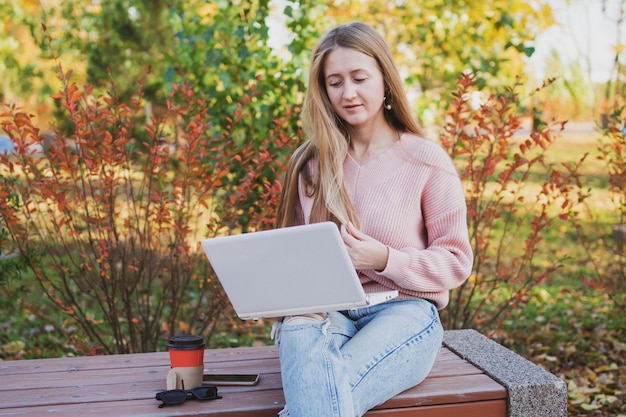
column 365, row 251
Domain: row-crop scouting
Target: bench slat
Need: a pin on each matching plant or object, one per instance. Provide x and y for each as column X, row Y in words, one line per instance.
column 146, row 408
column 262, row 358
column 105, row 401
column 432, row 391
column 496, row 408
column 135, row 373
column 137, row 360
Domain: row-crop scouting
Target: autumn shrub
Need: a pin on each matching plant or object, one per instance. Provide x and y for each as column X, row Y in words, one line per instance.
column 607, row 254
column 513, row 196
column 11, row 266
column 110, row 228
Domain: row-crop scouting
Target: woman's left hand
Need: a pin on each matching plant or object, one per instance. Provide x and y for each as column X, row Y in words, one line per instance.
column 365, row 251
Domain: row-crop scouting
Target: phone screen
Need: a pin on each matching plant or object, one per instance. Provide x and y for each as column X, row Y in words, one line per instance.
column 230, row 379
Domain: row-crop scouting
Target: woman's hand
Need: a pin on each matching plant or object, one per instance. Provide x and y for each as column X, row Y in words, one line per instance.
column 365, row 251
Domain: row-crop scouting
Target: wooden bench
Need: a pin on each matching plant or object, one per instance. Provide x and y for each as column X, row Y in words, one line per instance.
column 125, row 385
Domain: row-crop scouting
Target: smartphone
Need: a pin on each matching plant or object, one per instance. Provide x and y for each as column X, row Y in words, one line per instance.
column 230, row 379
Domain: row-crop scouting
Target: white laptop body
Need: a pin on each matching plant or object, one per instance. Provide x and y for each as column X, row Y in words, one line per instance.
column 288, row 271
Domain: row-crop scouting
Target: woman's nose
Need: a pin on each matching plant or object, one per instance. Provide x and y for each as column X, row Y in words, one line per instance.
column 349, row 91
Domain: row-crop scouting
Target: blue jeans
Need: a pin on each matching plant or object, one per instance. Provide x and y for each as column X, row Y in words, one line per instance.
column 357, row 359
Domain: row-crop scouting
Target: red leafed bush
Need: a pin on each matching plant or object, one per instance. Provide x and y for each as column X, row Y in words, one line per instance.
column 108, row 213
column 513, row 198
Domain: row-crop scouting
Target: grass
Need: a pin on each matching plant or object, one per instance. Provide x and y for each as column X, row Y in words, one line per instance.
column 566, row 325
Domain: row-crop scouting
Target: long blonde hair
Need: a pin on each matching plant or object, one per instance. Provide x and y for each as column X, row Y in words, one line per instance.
column 328, row 135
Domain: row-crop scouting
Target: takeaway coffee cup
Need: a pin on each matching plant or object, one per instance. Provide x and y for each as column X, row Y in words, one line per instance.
column 186, row 361
column 186, row 351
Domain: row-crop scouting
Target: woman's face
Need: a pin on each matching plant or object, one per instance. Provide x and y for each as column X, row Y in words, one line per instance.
column 355, row 86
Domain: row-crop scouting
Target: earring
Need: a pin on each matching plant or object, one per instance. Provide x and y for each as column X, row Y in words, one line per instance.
column 385, row 104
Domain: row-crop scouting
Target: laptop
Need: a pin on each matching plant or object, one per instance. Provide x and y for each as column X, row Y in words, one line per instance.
column 288, row 271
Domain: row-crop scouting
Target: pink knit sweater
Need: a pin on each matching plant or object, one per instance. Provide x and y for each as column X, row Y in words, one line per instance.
column 411, row 199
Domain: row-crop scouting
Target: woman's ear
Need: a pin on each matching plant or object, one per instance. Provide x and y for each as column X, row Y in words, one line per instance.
column 387, row 88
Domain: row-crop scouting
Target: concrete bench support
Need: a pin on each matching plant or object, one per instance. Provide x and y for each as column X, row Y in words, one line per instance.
column 532, row 391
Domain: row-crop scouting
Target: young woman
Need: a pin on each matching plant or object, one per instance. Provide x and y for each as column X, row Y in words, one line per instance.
column 399, row 204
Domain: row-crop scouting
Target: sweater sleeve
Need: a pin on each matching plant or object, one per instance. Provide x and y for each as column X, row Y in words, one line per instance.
column 446, row 261
column 443, row 265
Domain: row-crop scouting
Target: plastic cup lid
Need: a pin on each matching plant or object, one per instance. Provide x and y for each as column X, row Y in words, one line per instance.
column 187, row 342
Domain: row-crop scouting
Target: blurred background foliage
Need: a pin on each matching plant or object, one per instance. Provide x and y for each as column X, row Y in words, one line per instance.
column 223, row 45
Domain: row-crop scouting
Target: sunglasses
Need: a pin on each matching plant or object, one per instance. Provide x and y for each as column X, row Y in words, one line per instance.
column 179, row 396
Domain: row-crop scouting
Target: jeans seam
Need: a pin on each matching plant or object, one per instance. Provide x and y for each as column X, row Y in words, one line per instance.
column 331, row 376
